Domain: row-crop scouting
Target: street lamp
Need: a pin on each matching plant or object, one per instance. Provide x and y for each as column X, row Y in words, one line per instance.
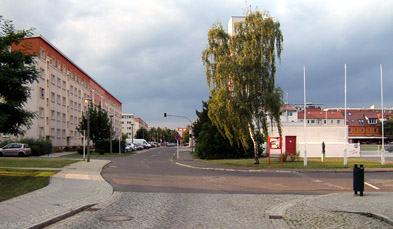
column 88, row 101
column 191, row 132
column 110, row 137
column 132, row 133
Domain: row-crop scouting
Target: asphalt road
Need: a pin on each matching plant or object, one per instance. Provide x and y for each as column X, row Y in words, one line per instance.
column 151, row 191
column 154, row 171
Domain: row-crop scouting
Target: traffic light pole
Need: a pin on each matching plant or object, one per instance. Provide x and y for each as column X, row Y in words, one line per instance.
column 191, row 134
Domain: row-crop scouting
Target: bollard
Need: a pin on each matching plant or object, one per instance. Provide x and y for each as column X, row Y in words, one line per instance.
column 358, row 179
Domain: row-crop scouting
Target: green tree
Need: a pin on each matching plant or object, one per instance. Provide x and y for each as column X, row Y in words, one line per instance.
column 186, row 135
column 99, row 123
column 141, row 133
column 210, row 143
column 240, row 73
column 17, row 71
column 388, row 128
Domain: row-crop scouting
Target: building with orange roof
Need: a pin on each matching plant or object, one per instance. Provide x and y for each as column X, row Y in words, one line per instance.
column 58, row 98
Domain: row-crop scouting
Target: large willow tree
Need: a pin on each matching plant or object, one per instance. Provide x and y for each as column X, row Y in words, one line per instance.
column 240, row 73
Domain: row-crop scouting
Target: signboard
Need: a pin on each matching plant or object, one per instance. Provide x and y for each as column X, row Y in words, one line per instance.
column 274, row 142
column 177, row 137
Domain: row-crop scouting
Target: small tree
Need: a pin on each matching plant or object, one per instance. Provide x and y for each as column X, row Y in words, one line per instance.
column 99, row 123
column 141, row 133
column 17, row 70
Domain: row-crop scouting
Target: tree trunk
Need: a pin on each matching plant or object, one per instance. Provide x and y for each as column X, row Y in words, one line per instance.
column 255, row 141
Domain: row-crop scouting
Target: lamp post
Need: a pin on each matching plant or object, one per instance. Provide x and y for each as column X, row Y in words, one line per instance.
column 191, row 132
column 132, row 133
column 88, row 101
column 110, row 135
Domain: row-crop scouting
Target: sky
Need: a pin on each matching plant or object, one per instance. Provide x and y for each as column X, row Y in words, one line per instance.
column 148, row 53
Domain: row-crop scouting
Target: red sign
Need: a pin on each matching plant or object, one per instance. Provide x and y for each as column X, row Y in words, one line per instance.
column 177, row 137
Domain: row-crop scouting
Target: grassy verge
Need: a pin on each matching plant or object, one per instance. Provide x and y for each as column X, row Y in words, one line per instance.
column 95, row 154
column 34, row 162
column 18, row 182
column 312, row 163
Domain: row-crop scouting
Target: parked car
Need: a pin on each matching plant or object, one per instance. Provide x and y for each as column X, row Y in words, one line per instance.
column 389, row 148
column 138, row 147
column 15, row 149
column 129, row 148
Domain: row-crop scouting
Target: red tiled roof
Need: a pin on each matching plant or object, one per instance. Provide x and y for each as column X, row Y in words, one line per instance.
column 320, row 114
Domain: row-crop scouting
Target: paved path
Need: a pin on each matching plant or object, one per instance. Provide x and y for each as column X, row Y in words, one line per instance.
column 77, row 186
column 80, row 186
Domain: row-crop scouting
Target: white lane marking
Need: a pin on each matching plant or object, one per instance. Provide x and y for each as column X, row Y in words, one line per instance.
column 372, row 186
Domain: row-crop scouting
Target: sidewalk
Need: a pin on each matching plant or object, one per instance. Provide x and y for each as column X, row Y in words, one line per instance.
column 76, row 187
column 378, row 204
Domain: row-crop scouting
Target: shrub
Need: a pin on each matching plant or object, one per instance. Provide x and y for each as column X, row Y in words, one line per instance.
column 38, row 146
column 103, row 146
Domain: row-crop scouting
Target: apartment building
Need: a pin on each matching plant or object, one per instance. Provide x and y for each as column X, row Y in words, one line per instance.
column 58, row 98
column 130, row 124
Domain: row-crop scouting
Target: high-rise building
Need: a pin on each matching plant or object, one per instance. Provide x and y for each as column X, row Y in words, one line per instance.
column 58, row 98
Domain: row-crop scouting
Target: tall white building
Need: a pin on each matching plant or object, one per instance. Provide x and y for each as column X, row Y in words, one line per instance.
column 58, row 98
column 130, row 124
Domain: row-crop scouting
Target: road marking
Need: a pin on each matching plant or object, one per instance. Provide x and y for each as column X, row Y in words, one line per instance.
column 372, row 186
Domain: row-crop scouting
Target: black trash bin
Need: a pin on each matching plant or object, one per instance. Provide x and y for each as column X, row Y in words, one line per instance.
column 358, row 179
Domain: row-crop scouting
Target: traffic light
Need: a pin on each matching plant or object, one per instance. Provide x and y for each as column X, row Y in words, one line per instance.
column 165, row 115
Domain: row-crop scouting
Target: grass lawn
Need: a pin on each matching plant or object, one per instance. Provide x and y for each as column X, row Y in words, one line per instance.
column 34, row 162
column 16, row 182
column 95, row 154
column 312, row 163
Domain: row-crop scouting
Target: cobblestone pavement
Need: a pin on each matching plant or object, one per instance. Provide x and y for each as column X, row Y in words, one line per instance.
column 167, row 210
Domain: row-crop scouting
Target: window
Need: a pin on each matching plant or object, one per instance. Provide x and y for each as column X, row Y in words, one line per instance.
column 349, row 130
column 52, row 132
column 71, row 105
column 72, row 119
column 42, row 112
column 42, row 73
column 58, row 82
column 76, row 92
column 53, row 61
column 324, row 121
column 58, row 133
column 338, row 121
column 64, row 85
column 375, row 130
column 63, row 133
column 64, row 69
column 53, row 79
column 42, row 53
column 290, row 113
column 53, row 97
column 64, row 117
column 349, row 113
column 79, row 93
column 79, row 107
column 59, row 99
column 52, row 114
column 58, row 117
column 372, row 121
column 42, row 132
column 361, row 121
column 369, row 130
column 59, row 64
column 42, row 92
column 362, row 130
column 72, row 90
column 64, row 101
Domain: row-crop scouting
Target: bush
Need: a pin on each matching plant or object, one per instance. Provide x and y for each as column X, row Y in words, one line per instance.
column 103, row 146
column 80, row 150
column 38, row 146
column 291, row 157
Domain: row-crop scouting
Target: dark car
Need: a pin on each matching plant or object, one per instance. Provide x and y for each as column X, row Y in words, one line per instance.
column 15, row 149
column 389, row 148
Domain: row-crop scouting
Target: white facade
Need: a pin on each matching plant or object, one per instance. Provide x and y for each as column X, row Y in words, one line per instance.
column 312, row 137
column 231, row 24
column 128, row 124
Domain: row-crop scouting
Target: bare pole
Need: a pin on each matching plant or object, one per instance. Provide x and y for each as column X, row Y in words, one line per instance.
column 305, row 118
column 383, row 134
column 345, row 118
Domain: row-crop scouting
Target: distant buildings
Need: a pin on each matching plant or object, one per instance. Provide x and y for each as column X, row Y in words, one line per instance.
column 130, row 124
column 58, row 98
column 327, row 125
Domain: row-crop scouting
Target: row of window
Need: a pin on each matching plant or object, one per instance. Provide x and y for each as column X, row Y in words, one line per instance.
column 362, row 130
column 58, row 133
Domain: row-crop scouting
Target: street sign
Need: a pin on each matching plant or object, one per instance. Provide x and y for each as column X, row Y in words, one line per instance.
column 177, row 137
